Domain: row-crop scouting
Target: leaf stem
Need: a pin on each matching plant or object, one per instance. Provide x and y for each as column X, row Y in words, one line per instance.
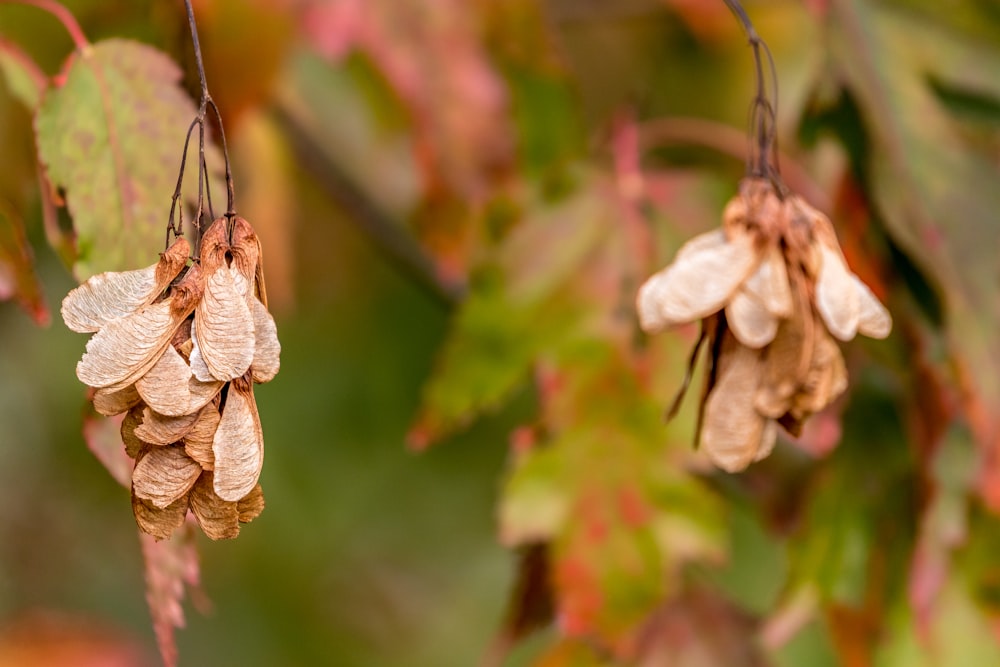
column 63, row 15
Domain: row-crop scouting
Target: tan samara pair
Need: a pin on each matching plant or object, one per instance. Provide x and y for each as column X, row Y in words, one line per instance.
column 177, row 347
column 772, row 286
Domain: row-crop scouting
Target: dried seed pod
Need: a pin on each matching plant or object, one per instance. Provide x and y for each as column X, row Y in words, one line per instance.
column 159, row 522
column 733, row 433
column 836, row 295
column 251, row 505
column 126, row 348
column 267, row 349
column 874, row 320
column 133, row 418
column 110, row 403
column 750, row 321
column 224, row 327
column 157, row 429
column 198, row 441
column 706, row 272
column 170, row 389
column 163, row 475
column 115, row 294
column 238, row 445
column 218, row 518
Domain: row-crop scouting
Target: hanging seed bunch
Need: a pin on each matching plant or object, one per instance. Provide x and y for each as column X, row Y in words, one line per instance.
column 177, row 348
column 773, row 289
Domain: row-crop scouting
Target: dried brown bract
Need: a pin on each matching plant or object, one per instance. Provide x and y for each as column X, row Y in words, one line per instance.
column 177, row 347
column 773, row 289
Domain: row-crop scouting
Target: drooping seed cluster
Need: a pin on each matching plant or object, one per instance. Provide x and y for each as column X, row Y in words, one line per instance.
column 177, row 348
column 771, row 285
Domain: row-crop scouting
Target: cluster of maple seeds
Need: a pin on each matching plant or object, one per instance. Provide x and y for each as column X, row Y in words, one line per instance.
column 177, row 348
column 771, row 286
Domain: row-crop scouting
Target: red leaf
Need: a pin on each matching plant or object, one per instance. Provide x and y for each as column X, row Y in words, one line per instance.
column 103, row 437
column 171, row 567
column 17, row 274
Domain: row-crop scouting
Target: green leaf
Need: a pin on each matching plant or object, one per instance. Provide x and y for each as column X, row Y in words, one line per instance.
column 112, row 136
column 514, row 313
column 24, row 78
column 935, row 188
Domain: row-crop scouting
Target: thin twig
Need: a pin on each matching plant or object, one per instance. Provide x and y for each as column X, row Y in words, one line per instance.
column 762, row 160
column 204, row 185
column 63, row 15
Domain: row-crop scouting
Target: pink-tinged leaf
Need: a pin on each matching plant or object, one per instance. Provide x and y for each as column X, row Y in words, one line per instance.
column 103, row 437
column 431, row 57
column 171, row 569
column 111, row 137
column 17, row 272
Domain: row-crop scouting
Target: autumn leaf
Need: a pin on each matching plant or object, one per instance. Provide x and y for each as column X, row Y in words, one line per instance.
column 171, row 568
column 111, row 138
column 17, row 273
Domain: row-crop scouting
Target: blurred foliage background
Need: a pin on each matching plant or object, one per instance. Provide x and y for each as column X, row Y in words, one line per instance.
column 457, row 200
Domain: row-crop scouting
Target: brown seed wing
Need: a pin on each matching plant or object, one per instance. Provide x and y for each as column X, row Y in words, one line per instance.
column 126, row 348
column 769, row 284
column 160, row 523
column 115, row 294
column 133, row 418
column 874, row 319
column 163, row 475
column 782, row 364
column 110, row 403
column 836, row 295
column 157, row 429
column 224, row 326
column 219, row 518
column 251, row 505
column 733, row 431
column 170, row 389
column 825, row 381
column 238, row 445
column 267, row 349
column 702, row 278
column 198, row 441
column 750, row 321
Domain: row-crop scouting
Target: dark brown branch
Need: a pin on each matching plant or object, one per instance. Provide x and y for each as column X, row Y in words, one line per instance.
column 385, row 234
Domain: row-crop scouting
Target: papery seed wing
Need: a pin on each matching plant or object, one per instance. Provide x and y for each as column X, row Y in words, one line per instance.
column 110, row 403
column 127, row 347
column 267, row 349
column 238, row 445
column 163, row 475
column 750, row 321
column 836, row 295
column 170, row 389
column 251, row 505
column 160, row 523
column 214, row 245
column 783, row 361
column 224, row 325
column 874, row 319
column 157, row 429
column 245, row 249
column 218, row 518
column 704, row 275
column 733, row 431
column 198, row 441
column 769, row 284
column 768, row 440
column 133, row 418
column 115, row 294
column 825, row 381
